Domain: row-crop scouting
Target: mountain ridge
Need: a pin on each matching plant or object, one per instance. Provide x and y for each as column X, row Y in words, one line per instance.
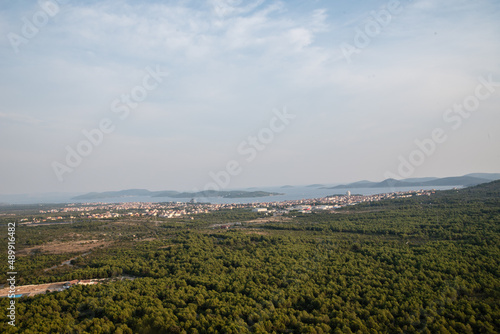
column 465, row 180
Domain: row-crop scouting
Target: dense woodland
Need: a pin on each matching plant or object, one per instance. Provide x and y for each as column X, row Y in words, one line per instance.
column 416, row 265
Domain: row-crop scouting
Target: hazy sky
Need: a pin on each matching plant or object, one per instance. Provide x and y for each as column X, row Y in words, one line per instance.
column 360, row 82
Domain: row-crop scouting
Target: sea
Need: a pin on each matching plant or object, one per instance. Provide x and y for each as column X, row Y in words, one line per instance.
column 287, row 193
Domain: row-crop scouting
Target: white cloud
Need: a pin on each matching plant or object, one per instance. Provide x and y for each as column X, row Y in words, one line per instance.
column 225, row 8
column 230, row 63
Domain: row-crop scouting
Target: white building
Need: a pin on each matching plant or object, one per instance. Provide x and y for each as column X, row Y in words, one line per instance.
column 323, row 207
column 259, row 210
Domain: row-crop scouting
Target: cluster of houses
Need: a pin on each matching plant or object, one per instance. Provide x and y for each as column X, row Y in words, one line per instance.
column 329, row 203
column 298, row 208
column 179, row 209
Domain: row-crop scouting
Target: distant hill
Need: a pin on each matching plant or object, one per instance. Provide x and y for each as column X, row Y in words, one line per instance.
column 358, row 184
column 485, row 192
column 457, row 181
column 174, row 194
column 466, row 180
column 487, row 176
column 166, row 193
column 491, row 189
column 420, row 179
column 362, row 182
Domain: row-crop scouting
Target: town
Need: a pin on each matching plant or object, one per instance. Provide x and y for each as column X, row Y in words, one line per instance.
column 71, row 212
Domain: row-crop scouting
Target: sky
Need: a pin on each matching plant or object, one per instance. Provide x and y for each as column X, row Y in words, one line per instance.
column 191, row 95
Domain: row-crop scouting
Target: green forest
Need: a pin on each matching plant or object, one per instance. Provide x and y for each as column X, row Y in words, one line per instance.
column 424, row 264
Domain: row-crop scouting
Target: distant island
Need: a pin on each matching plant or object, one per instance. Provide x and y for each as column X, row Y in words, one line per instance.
column 459, row 181
column 174, row 194
column 315, row 186
column 466, row 181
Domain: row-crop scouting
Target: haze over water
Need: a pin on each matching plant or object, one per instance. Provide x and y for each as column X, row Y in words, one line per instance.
column 289, row 193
